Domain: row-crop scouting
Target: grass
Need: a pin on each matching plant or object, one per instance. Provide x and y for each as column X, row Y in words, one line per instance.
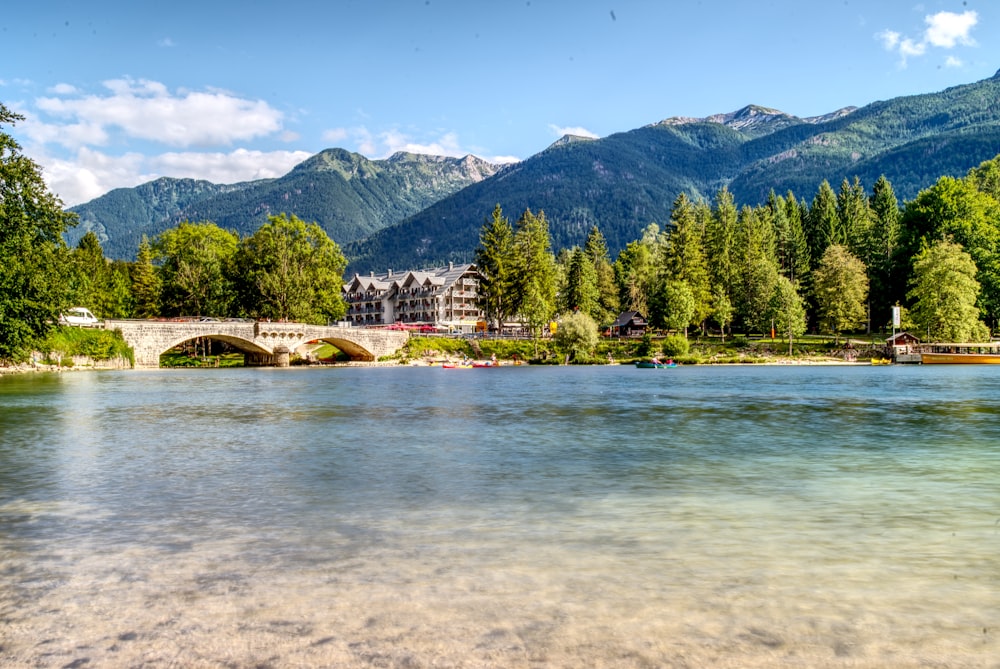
column 711, row 349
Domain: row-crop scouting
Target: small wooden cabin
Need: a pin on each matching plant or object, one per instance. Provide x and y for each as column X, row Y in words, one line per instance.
column 628, row 324
column 902, row 340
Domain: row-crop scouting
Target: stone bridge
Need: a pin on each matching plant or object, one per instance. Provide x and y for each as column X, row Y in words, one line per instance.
column 263, row 344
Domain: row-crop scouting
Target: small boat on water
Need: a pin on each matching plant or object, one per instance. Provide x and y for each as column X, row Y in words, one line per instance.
column 881, row 361
column 983, row 353
column 654, row 364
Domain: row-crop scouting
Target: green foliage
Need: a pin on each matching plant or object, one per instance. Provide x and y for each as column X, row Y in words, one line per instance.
column 496, row 260
column 348, row 195
column 195, row 267
column 944, row 294
column 789, row 310
column 291, row 270
column 65, row 342
column 674, row 346
column 32, row 253
column 534, row 293
column 841, row 286
column 577, row 334
column 97, row 283
column 954, row 209
column 679, row 305
column 581, row 292
column 146, row 284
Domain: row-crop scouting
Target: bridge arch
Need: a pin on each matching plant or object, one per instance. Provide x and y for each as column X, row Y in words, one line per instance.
column 262, row 343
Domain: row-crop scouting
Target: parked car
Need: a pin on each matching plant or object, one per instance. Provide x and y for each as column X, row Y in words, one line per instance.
column 78, row 316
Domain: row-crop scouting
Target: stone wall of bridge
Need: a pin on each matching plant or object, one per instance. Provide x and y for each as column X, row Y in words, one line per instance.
column 262, row 343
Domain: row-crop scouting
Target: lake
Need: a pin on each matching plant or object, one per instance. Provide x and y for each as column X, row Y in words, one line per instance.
column 738, row 516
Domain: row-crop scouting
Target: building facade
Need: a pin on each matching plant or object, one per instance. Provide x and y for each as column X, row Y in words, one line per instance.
column 443, row 298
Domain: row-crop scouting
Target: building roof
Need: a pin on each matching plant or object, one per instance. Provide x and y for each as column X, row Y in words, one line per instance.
column 627, row 317
column 438, row 279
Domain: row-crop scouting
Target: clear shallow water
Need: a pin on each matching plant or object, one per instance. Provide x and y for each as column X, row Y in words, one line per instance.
column 514, row 517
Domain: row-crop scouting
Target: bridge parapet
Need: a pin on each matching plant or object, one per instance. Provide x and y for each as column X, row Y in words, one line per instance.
column 263, row 343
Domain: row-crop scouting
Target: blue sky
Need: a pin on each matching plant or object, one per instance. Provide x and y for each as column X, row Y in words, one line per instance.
column 120, row 93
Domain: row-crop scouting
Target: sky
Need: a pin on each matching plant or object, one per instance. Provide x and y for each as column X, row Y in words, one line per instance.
column 118, row 93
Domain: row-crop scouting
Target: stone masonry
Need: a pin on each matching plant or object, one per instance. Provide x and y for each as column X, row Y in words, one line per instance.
column 264, row 344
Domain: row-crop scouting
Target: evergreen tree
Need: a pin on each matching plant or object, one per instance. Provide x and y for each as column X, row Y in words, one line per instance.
column 757, row 270
column 534, row 286
column 581, row 292
column 883, row 241
column 720, row 243
column 823, row 222
column 495, row 259
column 145, row 281
column 798, row 261
column 684, row 258
column 855, row 218
column 597, row 250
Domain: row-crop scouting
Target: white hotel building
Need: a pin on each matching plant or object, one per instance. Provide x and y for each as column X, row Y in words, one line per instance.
column 442, row 297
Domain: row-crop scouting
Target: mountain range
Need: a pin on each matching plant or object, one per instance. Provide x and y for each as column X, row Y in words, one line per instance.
column 349, row 196
column 416, row 211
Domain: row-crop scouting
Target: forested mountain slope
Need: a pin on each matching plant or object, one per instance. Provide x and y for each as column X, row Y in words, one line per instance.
column 349, row 195
column 627, row 180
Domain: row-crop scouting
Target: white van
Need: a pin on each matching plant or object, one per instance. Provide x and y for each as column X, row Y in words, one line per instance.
column 79, row 316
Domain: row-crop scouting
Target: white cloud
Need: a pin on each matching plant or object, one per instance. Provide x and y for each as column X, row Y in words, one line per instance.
column 945, row 30
column 890, row 38
column 577, row 131
column 378, row 145
column 166, row 42
column 63, row 89
column 89, row 173
column 951, row 61
column 148, row 110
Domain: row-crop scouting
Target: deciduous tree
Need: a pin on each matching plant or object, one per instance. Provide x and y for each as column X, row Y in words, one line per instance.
column 944, row 292
column 291, row 270
column 195, row 268
column 32, row 252
column 841, row 285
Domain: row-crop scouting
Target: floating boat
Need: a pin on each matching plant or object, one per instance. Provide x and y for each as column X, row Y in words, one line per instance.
column 455, row 365
column 653, row 364
column 881, row 361
column 985, row 353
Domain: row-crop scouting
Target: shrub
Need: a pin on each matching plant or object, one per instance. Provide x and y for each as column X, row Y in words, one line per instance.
column 674, row 346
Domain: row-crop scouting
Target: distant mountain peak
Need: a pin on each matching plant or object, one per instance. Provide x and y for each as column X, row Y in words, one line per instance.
column 569, row 139
column 750, row 118
column 840, row 113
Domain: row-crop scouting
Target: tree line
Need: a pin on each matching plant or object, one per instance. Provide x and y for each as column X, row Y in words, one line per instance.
column 837, row 263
